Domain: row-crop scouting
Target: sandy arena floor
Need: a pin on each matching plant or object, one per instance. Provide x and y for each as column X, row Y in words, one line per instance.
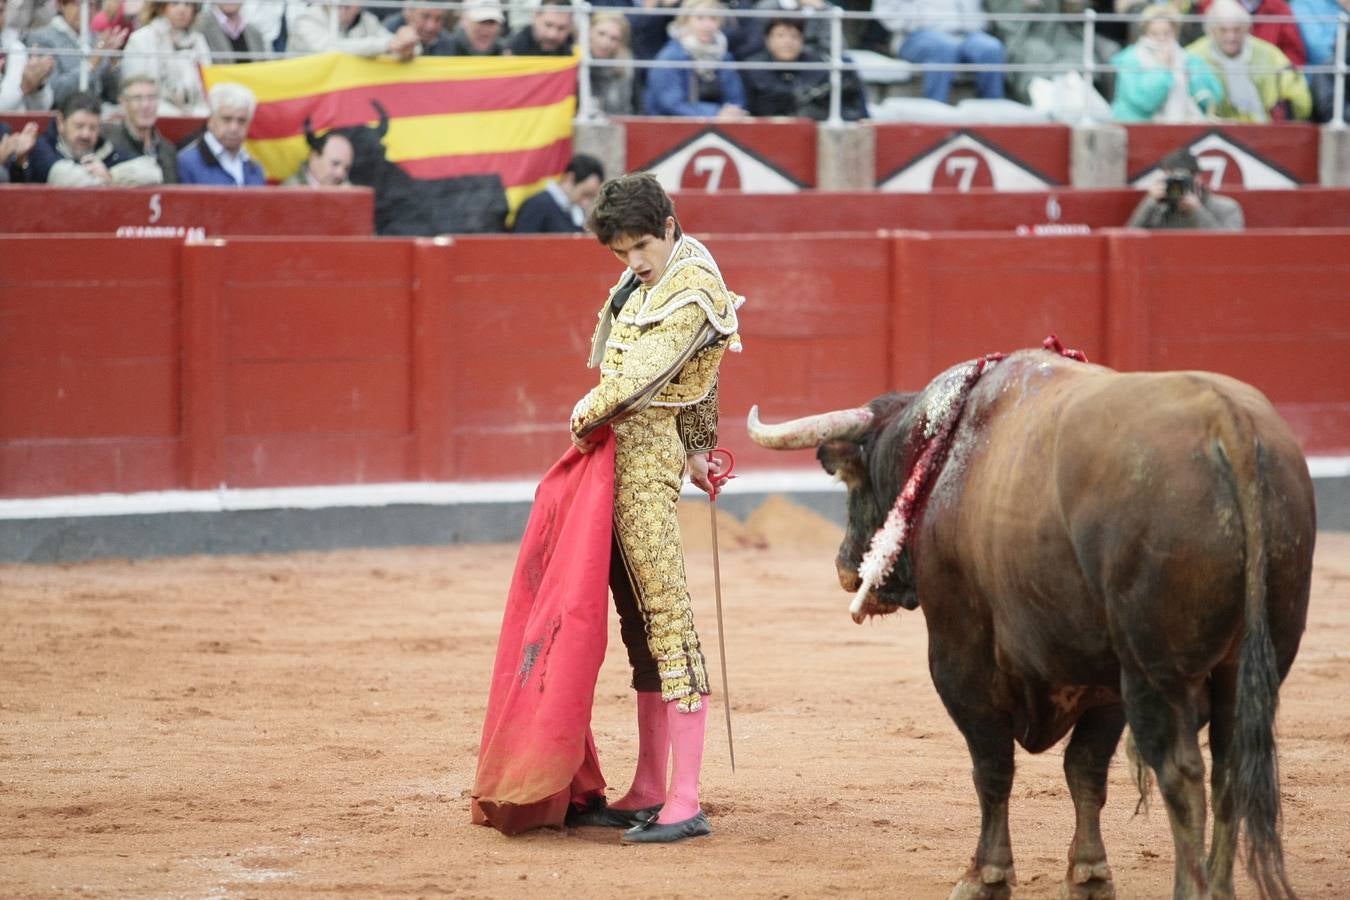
column 308, row 724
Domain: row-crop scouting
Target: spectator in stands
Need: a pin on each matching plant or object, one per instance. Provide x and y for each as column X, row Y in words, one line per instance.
column 1259, row 83
column 358, row 33
column 1126, row 31
column 62, row 35
column 815, row 19
column 562, row 206
column 1176, row 198
column 218, row 157
column 797, row 92
column 227, row 33
column 270, row 18
column 27, row 16
column 1284, row 35
column 651, row 28
column 428, row 21
column 479, row 32
column 548, row 34
column 1319, row 37
column 71, row 153
column 1157, row 80
column 612, row 87
column 117, row 14
column 943, row 31
column 1042, row 42
column 14, row 149
column 23, row 78
column 329, row 163
column 708, row 89
column 168, row 50
column 148, row 156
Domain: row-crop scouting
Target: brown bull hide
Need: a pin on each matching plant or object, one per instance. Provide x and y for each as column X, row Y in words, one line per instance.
column 1102, row 548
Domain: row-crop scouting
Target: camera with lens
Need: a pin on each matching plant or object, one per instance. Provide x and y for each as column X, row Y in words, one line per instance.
column 1177, row 185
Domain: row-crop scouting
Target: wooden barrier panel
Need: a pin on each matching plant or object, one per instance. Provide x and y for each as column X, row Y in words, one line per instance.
column 753, row 156
column 863, row 211
column 187, row 211
column 1272, row 156
column 918, row 158
column 159, row 364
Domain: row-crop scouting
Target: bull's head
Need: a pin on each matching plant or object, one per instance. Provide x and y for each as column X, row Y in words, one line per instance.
column 861, row 447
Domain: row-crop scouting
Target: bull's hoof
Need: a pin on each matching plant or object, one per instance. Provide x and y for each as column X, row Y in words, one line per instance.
column 1089, row 881
column 988, row 883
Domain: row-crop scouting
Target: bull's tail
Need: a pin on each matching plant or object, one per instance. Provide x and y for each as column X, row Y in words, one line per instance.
column 1253, row 768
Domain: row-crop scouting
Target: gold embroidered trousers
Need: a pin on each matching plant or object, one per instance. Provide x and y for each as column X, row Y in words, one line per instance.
column 648, row 577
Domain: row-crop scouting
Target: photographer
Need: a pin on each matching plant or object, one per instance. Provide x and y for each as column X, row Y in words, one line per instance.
column 1177, row 199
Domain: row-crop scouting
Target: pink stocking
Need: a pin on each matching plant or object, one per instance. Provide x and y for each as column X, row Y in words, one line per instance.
column 649, row 781
column 686, row 744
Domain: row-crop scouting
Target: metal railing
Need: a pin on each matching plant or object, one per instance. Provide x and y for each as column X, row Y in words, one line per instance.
column 836, row 64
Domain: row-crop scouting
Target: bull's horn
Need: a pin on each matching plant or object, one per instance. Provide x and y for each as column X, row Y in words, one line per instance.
column 811, row 431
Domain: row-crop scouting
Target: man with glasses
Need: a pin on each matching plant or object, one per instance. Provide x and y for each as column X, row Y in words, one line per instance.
column 150, row 158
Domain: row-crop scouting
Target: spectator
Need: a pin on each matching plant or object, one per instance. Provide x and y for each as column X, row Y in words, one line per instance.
column 23, row 78
column 1159, row 81
column 1320, row 39
column 428, row 22
column 270, row 18
column 117, row 14
column 1259, row 83
column 943, row 31
column 27, row 16
column 62, row 35
column 549, row 32
column 815, row 19
column 797, row 92
column 358, row 33
column 1042, row 42
column 1177, row 199
column 1284, row 35
column 218, row 157
column 14, row 149
column 479, row 32
column 562, row 206
column 708, row 89
column 227, row 33
column 148, row 157
column 1121, row 33
column 71, row 153
column 329, row 163
column 651, row 28
column 169, row 51
column 612, row 86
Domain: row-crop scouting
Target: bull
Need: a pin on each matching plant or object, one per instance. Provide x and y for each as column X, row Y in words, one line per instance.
column 1090, row 549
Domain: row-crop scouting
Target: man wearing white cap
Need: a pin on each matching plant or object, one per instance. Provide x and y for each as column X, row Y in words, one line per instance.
column 480, row 28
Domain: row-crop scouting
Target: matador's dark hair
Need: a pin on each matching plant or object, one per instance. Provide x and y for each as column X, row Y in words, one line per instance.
column 631, row 204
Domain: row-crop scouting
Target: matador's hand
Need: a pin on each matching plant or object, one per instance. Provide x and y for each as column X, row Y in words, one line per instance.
column 586, row 444
column 703, row 471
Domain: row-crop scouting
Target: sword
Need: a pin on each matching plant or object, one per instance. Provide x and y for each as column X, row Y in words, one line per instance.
column 718, row 481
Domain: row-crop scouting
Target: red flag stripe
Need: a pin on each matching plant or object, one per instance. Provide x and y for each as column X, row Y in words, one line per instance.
column 340, row 109
column 515, row 167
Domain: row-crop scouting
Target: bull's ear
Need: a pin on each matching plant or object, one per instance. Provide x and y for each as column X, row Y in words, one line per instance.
column 844, row 460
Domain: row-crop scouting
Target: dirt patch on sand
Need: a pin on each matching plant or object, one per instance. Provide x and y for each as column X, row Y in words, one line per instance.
column 308, row 724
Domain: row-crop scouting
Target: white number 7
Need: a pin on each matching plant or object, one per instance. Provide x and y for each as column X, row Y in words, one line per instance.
column 965, row 165
column 712, row 166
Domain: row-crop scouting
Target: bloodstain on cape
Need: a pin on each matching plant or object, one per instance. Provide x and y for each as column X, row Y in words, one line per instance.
column 537, row 753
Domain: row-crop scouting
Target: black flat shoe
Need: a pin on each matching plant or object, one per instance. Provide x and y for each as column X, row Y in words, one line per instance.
column 654, row 833
column 602, row 816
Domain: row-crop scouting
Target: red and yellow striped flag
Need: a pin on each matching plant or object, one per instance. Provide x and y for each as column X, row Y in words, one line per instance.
column 448, row 116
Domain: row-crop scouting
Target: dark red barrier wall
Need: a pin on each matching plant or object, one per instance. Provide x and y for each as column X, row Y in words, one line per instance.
column 142, row 365
column 981, row 210
column 176, row 210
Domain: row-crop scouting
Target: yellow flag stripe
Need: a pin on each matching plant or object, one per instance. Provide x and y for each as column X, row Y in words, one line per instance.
column 292, row 79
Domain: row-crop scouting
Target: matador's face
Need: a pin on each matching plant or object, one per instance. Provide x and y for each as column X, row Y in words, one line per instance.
column 646, row 254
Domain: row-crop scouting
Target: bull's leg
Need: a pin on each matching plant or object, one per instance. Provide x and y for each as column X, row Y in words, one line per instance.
column 1223, row 846
column 1086, row 762
column 989, row 738
column 1165, row 732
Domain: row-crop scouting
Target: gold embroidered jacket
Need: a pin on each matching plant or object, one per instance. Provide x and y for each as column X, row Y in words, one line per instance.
column 663, row 348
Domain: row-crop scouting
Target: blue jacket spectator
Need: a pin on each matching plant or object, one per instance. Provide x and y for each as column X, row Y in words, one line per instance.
column 707, row 89
column 218, row 157
column 1319, row 38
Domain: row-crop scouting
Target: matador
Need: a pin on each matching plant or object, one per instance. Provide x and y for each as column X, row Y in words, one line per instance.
column 661, row 337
